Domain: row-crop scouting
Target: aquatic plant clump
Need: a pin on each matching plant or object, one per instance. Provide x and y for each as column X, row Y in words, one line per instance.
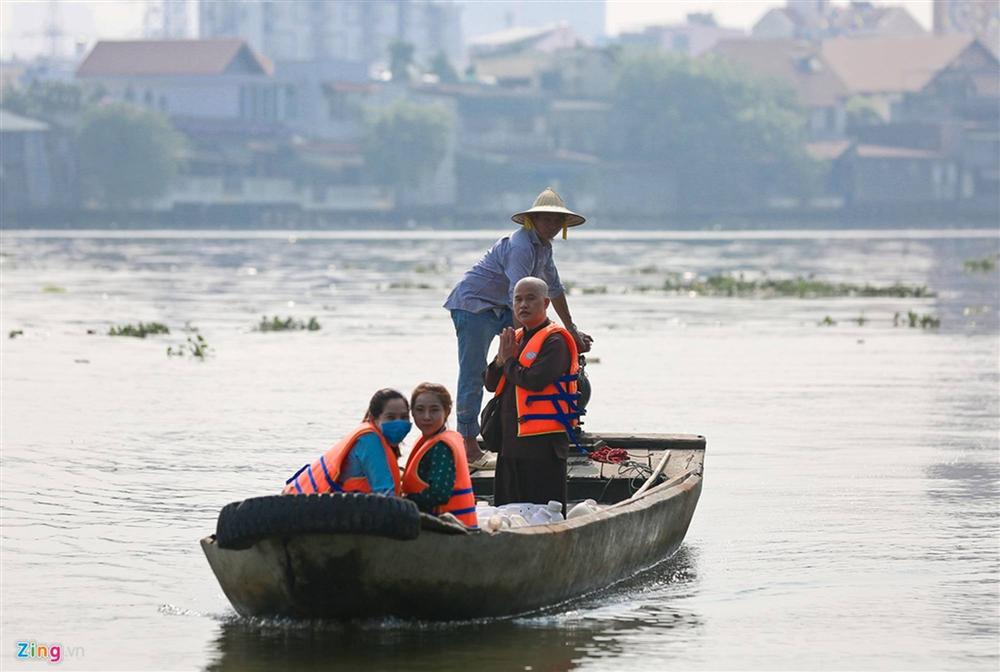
column 911, row 319
column 288, row 324
column 914, row 320
column 984, row 265
column 196, row 347
column 139, row 330
column 406, row 284
column 738, row 286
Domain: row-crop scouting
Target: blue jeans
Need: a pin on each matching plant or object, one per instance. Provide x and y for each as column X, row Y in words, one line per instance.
column 475, row 332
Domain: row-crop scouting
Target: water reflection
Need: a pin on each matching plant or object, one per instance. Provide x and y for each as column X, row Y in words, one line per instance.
column 964, row 481
column 556, row 639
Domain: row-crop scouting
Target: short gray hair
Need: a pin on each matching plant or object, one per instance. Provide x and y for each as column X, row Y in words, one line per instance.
column 538, row 283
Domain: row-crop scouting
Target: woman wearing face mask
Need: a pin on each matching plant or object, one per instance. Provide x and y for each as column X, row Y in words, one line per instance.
column 366, row 459
column 436, row 477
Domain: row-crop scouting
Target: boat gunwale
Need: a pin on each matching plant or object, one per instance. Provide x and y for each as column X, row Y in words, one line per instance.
column 655, row 495
column 624, row 507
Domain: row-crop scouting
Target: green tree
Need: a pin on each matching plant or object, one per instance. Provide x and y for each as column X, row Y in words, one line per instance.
column 400, row 60
column 127, row 155
column 406, row 142
column 47, row 100
column 442, row 67
column 727, row 137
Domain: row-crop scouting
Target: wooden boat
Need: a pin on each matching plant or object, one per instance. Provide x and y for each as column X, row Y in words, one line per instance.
column 447, row 573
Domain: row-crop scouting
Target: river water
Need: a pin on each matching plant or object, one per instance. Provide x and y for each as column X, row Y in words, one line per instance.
column 849, row 517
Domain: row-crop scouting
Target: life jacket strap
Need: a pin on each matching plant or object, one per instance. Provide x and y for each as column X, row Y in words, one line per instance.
column 295, row 476
column 564, row 418
column 334, row 486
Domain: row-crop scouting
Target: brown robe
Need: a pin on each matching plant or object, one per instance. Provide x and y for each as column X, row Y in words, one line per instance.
column 530, row 468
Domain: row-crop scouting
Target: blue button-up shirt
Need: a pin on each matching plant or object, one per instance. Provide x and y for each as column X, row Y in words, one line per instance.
column 490, row 283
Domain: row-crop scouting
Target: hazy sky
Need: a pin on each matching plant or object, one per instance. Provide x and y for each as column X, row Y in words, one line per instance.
column 23, row 22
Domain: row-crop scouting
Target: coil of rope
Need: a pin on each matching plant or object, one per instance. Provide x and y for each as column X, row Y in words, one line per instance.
column 609, row 455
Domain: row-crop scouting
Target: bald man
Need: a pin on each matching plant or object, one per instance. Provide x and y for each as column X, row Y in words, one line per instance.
column 531, row 466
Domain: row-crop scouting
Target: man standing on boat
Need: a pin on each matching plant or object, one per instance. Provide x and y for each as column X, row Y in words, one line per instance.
column 481, row 303
column 534, row 374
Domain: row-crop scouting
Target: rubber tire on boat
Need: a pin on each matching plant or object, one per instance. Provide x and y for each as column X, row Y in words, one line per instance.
column 241, row 524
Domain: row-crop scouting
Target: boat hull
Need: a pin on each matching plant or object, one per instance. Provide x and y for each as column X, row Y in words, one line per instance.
column 444, row 576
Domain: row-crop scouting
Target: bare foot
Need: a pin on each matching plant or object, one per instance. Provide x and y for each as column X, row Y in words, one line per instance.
column 472, row 451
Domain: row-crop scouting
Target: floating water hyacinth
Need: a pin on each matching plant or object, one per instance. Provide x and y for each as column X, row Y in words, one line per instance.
column 738, row 286
column 288, row 324
column 407, row 284
column 139, row 330
column 196, row 347
column 984, row 265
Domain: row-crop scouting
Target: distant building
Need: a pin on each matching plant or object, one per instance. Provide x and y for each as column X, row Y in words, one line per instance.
column 167, row 20
column 587, row 18
column 45, row 69
column 962, row 100
column 801, row 66
column 581, row 72
column 37, row 166
column 328, row 97
column 545, row 39
column 209, row 80
column 699, row 34
column 819, row 19
column 941, row 141
column 504, row 148
column 516, row 57
column 884, row 70
column 979, row 18
column 11, row 73
column 879, row 175
column 307, row 30
column 967, row 88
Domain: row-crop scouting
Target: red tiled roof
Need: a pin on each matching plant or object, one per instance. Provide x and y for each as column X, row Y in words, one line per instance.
column 169, row 57
column 860, row 16
column 791, row 62
column 891, row 64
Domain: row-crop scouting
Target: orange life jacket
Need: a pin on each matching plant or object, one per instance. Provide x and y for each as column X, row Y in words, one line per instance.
column 324, row 475
column 462, row 504
column 553, row 409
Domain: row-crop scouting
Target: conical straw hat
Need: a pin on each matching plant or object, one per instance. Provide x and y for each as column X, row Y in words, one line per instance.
column 549, row 201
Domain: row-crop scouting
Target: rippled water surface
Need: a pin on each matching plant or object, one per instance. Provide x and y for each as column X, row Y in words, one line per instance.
column 849, row 516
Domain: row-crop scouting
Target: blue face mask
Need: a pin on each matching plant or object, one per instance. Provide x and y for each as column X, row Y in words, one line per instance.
column 395, row 431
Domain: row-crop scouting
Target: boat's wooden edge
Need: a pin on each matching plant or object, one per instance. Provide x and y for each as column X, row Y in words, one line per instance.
column 642, row 441
column 649, row 441
column 658, row 493
column 429, row 523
